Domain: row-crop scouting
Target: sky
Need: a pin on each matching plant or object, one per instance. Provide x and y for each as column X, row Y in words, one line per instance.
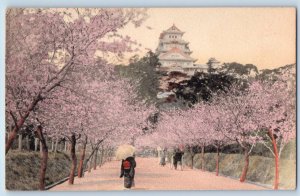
column 265, row 37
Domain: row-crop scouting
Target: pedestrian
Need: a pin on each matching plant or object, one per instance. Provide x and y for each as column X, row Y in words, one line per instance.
column 128, row 171
column 163, row 158
column 177, row 158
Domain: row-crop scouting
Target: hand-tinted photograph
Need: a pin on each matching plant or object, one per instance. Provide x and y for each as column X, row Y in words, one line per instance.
column 100, row 99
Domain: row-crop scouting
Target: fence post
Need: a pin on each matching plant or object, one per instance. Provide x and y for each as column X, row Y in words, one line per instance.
column 20, row 142
column 36, row 142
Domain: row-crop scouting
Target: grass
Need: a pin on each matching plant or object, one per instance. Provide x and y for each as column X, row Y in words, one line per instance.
column 261, row 169
column 22, row 169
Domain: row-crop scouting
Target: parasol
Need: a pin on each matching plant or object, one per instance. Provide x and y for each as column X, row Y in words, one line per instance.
column 124, row 151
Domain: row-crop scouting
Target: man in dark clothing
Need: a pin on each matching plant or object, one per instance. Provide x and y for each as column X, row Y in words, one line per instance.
column 177, row 158
column 128, row 171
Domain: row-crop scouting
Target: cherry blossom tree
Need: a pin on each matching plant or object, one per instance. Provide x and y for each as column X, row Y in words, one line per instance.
column 217, row 126
column 276, row 115
column 44, row 46
column 238, row 111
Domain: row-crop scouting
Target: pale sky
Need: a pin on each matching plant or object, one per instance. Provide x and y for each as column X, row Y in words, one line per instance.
column 265, row 37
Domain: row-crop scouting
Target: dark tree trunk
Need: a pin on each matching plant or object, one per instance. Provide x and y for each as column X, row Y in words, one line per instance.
column 88, row 160
column 80, row 167
column 276, row 180
column 6, row 137
column 102, row 154
column 91, row 163
column 100, row 158
column 246, row 166
column 217, row 161
column 192, row 154
column 44, row 156
column 13, row 134
column 27, row 143
column 11, row 137
column 202, row 157
column 74, row 159
column 20, row 123
column 95, row 159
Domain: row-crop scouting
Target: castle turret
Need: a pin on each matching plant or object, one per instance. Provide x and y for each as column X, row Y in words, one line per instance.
column 176, row 64
column 174, row 52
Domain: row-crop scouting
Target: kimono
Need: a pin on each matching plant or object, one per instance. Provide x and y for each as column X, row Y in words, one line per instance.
column 128, row 171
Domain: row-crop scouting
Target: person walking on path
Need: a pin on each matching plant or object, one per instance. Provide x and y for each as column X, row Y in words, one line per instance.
column 128, row 171
column 163, row 158
column 177, row 158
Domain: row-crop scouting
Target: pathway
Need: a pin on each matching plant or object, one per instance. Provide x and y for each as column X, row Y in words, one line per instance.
column 151, row 176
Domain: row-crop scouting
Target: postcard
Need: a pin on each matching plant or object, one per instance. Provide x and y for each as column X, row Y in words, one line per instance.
column 101, row 99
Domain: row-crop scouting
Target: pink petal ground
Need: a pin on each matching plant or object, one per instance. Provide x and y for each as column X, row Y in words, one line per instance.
column 151, row 176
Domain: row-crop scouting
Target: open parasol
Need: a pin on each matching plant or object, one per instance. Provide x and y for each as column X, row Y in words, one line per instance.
column 124, row 151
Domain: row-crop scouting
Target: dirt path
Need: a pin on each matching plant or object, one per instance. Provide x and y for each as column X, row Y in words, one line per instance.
column 150, row 176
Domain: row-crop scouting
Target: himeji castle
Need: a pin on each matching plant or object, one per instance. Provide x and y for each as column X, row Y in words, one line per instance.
column 176, row 62
column 174, row 53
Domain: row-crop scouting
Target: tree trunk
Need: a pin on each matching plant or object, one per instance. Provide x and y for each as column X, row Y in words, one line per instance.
column 90, row 156
column 20, row 122
column 109, row 154
column 102, row 153
column 246, row 165
column 95, row 159
column 6, row 136
column 20, row 142
column 192, row 154
column 41, row 150
column 202, row 157
column 217, row 162
column 100, row 157
column 80, row 167
column 91, row 163
column 65, row 148
column 87, row 162
column 10, row 140
column 36, row 143
column 44, row 157
column 276, row 180
column 74, row 159
column 56, row 145
column 27, row 143
column 52, row 145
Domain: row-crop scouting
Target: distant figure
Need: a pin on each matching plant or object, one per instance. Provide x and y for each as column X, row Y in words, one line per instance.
column 128, row 170
column 177, row 158
column 163, row 158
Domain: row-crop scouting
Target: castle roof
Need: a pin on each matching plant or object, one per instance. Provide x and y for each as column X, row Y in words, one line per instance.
column 178, row 41
column 167, row 55
column 173, row 29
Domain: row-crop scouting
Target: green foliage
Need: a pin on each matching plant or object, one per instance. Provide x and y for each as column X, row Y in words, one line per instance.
column 203, row 86
column 239, row 68
column 143, row 71
column 272, row 74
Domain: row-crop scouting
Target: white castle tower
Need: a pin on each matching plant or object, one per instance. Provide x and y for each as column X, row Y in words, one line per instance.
column 174, row 53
